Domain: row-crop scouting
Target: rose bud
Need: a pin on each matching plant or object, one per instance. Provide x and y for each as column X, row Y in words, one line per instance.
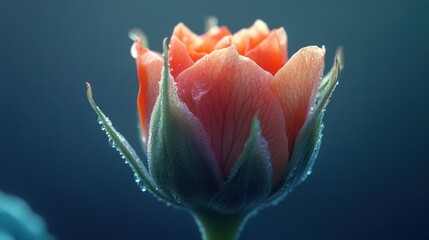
column 229, row 124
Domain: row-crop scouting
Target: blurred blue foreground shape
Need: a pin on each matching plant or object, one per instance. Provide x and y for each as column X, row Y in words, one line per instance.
column 19, row 222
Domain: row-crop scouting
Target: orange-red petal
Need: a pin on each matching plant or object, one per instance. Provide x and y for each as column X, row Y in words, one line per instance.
column 225, row 91
column 179, row 57
column 199, row 46
column 187, row 37
column 211, row 38
column 248, row 38
column 149, row 66
column 270, row 54
column 295, row 85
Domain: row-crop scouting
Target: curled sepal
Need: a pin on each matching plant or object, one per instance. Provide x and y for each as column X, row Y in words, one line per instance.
column 310, row 136
column 181, row 161
column 117, row 141
column 326, row 81
column 250, row 180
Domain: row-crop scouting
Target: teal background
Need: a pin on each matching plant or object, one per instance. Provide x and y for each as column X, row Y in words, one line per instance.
column 369, row 182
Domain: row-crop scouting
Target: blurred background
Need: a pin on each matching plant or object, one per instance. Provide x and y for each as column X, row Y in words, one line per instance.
column 369, row 182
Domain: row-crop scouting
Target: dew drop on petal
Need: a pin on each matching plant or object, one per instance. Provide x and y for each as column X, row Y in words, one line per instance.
column 134, row 50
column 200, row 88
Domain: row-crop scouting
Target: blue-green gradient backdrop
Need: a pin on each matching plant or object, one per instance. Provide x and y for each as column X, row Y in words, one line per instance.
column 369, row 182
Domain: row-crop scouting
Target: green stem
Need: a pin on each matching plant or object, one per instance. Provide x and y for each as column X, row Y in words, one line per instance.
column 215, row 226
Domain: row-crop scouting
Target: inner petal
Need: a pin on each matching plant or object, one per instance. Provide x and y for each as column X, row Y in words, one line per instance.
column 248, row 38
column 271, row 53
column 200, row 44
column 179, row 57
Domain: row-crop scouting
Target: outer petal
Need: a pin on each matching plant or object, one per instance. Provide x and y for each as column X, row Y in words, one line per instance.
column 271, row 53
column 246, row 39
column 295, row 85
column 225, row 90
column 149, row 65
column 310, row 136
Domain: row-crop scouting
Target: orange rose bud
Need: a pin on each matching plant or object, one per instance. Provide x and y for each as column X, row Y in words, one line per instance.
column 229, row 123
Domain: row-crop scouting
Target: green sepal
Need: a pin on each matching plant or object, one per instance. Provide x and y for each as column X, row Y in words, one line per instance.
column 119, row 142
column 250, row 180
column 180, row 159
column 309, row 139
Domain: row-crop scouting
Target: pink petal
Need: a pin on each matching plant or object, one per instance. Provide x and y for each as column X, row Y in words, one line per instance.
column 225, row 91
column 271, row 54
column 295, row 85
column 149, row 66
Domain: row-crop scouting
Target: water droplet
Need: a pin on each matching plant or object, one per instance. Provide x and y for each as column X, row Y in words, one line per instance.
column 133, row 50
column 108, row 122
column 200, row 88
column 112, row 143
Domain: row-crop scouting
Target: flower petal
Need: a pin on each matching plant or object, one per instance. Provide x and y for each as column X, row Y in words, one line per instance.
column 248, row 38
column 295, row 85
column 187, row 37
column 211, row 38
column 198, row 46
column 179, row 57
column 271, row 53
column 149, row 65
column 225, row 90
column 309, row 138
column 224, row 43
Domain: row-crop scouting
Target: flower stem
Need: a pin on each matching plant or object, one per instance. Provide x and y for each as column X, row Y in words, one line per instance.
column 215, row 226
